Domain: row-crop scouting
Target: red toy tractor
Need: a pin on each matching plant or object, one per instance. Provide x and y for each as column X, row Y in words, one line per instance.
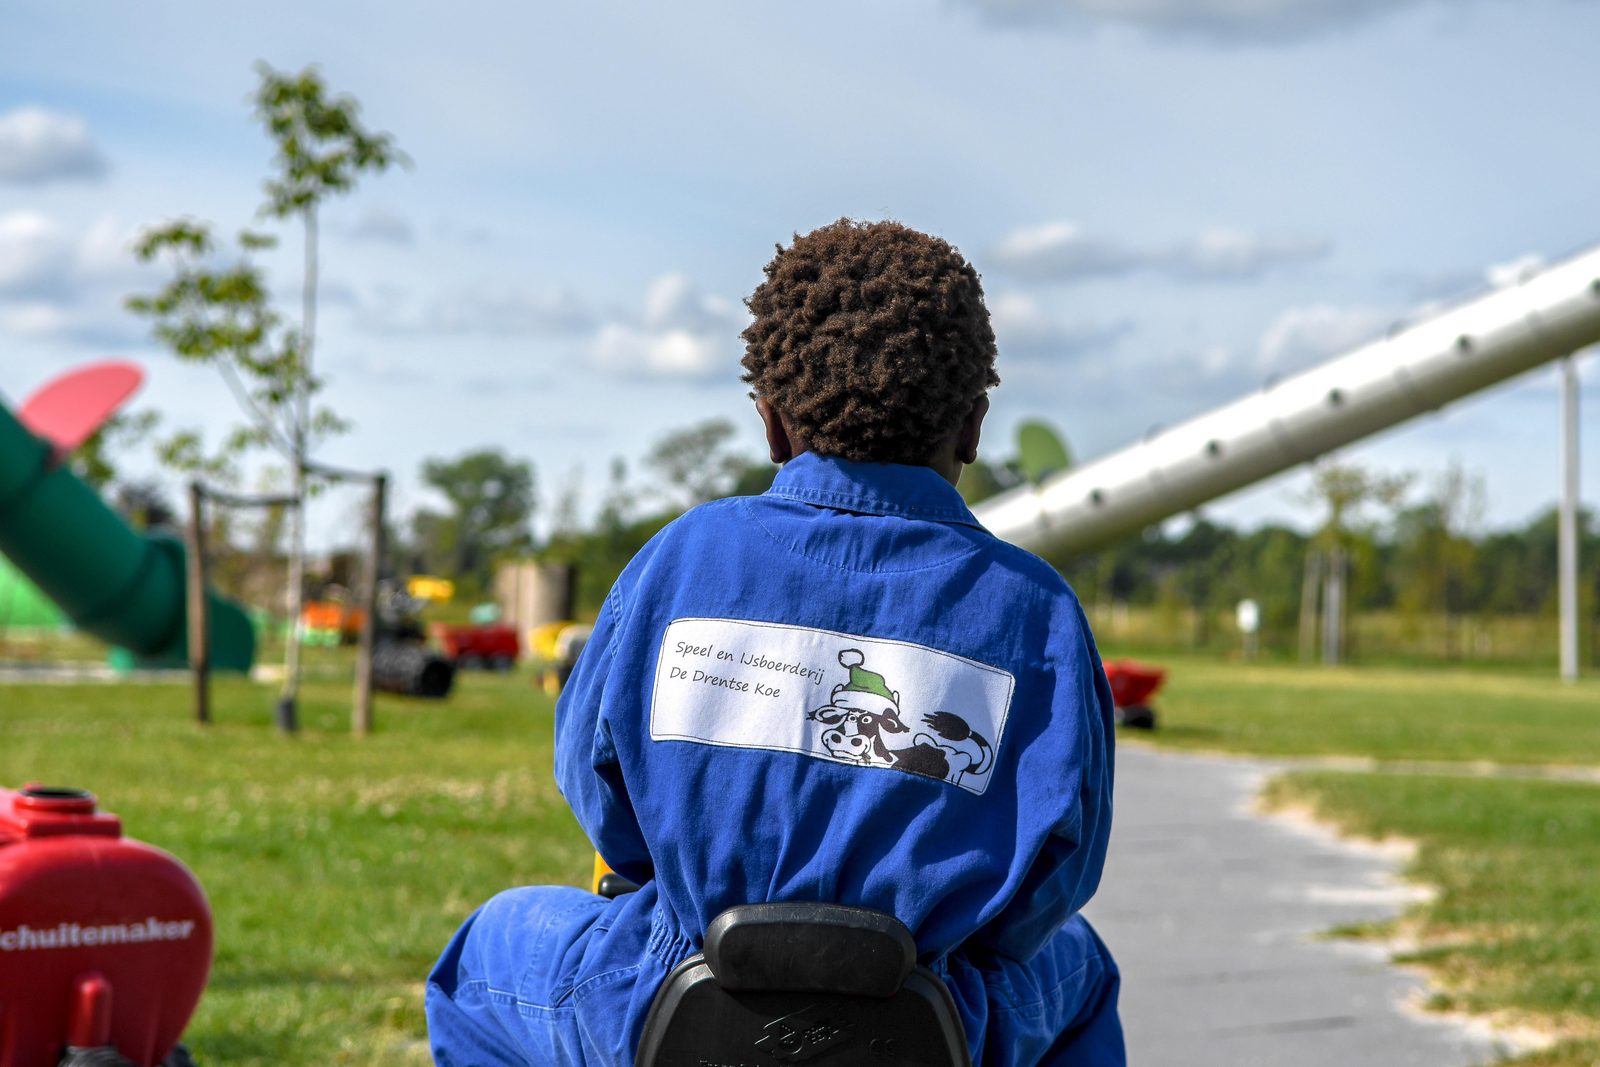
column 484, row 645
column 1133, row 684
column 105, row 942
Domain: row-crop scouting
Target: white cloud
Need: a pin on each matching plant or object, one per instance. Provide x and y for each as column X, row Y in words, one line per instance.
column 96, row 324
column 1062, row 251
column 510, row 312
column 1302, row 336
column 38, row 256
column 1211, row 373
column 57, row 284
column 33, row 318
column 667, row 353
column 1234, row 21
column 35, row 255
column 674, row 302
column 677, row 332
column 39, row 146
column 1023, row 328
column 680, row 333
column 1514, row 271
column 1215, row 361
column 1222, row 254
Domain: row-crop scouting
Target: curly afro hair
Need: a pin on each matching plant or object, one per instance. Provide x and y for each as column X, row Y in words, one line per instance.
column 871, row 339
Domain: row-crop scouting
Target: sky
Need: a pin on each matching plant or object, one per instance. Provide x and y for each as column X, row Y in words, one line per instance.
column 1169, row 201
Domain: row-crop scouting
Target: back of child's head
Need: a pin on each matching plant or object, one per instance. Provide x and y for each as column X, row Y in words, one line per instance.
column 871, row 339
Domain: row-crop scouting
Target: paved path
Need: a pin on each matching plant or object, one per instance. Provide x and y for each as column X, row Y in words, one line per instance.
column 85, row 673
column 1211, row 912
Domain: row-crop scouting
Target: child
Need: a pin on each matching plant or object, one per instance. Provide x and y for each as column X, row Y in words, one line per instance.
column 844, row 690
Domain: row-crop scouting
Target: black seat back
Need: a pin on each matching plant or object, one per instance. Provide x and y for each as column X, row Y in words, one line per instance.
column 822, row 984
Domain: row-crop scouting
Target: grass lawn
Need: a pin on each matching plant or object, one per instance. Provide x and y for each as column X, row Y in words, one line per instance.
column 1380, row 712
column 1515, row 928
column 336, row 868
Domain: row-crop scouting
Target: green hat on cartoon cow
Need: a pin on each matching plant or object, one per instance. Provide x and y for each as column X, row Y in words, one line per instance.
column 863, row 680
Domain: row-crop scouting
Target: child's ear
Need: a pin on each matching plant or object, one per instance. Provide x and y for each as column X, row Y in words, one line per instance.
column 971, row 431
column 778, row 444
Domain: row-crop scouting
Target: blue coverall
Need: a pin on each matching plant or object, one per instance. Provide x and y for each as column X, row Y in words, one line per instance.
column 842, row 690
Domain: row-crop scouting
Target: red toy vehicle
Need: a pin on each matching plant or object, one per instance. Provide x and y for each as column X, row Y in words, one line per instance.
column 105, row 942
column 493, row 645
column 1132, row 686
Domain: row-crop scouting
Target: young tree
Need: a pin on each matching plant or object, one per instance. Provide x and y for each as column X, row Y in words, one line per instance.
column 1205, row 554
column 94, row 461
column 698, row 463
column 322, row 149
column 1343, row 491
column 218, row 311
column 491, row 500
column 1435, row 551
column 1273, row 559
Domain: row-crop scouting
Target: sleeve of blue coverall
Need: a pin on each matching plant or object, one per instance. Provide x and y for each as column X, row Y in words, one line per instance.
column 587, row 771
column 1067, row 870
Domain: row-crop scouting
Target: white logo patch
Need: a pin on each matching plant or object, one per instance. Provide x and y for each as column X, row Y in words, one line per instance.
column 856, row 700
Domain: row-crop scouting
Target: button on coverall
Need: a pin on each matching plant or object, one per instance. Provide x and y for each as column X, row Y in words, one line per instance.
column 843, row 690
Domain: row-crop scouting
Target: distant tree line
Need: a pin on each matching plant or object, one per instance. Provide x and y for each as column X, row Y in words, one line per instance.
column 492, row 500
column 1414, row 567
column 1418, row 554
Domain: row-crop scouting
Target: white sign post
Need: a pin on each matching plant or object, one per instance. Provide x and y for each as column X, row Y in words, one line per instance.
column 1248, row 616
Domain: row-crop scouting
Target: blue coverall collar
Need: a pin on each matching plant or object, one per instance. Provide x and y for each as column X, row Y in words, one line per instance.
column 871, row 489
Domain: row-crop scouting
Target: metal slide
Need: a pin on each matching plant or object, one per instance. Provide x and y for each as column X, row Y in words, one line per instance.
column 122, row 587
column 1416, row 370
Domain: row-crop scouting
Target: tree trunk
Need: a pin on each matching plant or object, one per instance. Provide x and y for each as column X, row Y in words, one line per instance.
column 361, row 720
column 1308, row 605
column 287, row 712
column 287, row 715
column 1333, row 609
column 1567, row 524
column 199, row 623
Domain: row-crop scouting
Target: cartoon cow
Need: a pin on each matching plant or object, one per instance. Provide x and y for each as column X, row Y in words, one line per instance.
column 858, row 714
column 958, row 749
column 864, row 713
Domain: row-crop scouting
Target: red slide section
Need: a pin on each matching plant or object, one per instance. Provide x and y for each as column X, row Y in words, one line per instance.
column 71, row 408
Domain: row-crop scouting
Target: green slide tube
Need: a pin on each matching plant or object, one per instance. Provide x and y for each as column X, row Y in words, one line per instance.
column 123, row 587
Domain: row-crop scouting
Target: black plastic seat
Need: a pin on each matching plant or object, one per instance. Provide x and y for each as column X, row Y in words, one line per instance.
column 822, row 984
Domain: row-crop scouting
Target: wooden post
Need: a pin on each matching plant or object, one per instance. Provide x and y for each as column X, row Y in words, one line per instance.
column 199, row 617
column 361, row 716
